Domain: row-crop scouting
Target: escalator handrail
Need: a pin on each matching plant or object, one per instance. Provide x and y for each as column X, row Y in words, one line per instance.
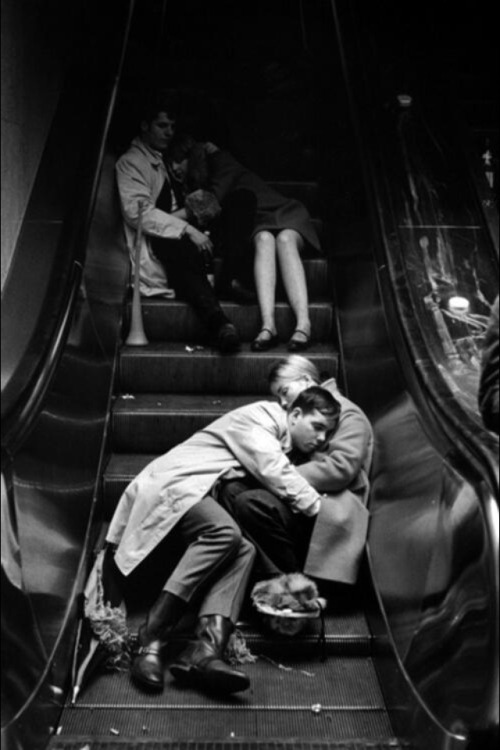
column 455, row 420
column 18, row 425
column 449, row 418
column 24, row 403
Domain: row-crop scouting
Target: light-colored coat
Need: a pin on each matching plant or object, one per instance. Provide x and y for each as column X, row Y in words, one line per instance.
column 254, row 438
column 140, row 176
column 340, row 472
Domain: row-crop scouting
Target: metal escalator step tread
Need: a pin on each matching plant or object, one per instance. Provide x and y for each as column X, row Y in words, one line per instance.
column 146, row 423
column 301, row 698
column 173, row 367
column 175, row 320
column 105, row 743
column 180, row 403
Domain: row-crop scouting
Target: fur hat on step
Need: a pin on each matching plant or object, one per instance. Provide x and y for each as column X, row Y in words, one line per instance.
column 288, row 602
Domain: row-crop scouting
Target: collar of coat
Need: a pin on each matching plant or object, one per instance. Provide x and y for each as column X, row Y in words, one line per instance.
column 153, row 156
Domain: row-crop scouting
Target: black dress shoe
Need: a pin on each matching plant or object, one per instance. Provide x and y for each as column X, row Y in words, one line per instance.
column 201, row 664
column 264, row 344
column 227, row 340
column 299, row 345
column 148, row 668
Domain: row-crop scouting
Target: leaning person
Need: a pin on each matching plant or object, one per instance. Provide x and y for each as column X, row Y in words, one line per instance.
column 168, row 510
column 282, row 229
column 330, row 546
column 172, row 247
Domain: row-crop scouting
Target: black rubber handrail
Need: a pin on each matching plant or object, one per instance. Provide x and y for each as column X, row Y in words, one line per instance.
column 445, row 416
column 34, row 347
column 478, row 443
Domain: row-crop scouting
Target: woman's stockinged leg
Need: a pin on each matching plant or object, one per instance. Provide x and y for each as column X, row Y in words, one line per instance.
column 288, row 243
column 265, row 282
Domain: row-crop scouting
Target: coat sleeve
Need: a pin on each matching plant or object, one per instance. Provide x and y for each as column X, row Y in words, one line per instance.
column 225, row 173
column 338, row 466
column 258, row 449
column 133, row 188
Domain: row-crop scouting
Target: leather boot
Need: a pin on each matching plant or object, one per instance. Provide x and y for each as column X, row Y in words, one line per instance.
column 148, row 666
column 201, row 665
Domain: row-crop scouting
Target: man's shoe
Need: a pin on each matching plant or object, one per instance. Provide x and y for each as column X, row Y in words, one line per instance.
column 227, row 339
column 201, row 665
column 148, row 667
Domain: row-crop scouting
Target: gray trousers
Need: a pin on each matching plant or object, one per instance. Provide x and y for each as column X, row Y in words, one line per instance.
column 204, row 560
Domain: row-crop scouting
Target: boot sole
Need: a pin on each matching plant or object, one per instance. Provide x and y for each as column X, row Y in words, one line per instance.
column 214, row 682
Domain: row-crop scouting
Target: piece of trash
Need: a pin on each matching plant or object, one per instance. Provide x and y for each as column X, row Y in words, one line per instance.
column 59, row 729
column 127, row 396
column 189, row 348
column 114, row 731
column 85, row 747
column 216, row 403
column 194, row 348
column 145, row 730
column 286, row 669
column 316, row 708
column 232, row 734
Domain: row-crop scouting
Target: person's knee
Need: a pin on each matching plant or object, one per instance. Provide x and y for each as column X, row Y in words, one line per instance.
column 228, row 536
column 264, row 238
column 286, row 239
column 253, row 507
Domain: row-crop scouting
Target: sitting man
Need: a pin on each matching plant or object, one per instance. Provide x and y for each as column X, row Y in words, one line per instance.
column 170, row 244
column 328, row 546
column 167, row 516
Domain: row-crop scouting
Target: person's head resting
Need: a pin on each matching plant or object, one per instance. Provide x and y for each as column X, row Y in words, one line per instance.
column 288, row 377
column 312, row 419
column 181, row 151
column 157, row 122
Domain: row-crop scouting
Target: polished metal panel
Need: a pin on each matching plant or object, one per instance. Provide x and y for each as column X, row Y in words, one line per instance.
column 433, row 538
column 51, row 491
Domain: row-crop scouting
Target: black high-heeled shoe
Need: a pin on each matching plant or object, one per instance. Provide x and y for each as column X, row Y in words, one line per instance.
column 263, row 345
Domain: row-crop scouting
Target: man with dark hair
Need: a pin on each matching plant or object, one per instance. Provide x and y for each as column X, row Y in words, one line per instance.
column 171, row 245
column 167, row 520
column 330, row 545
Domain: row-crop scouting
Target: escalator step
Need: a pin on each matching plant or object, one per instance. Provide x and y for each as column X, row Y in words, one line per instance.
column 174, row 320
column 105, row 743
column 175, row 368
column 298, row 698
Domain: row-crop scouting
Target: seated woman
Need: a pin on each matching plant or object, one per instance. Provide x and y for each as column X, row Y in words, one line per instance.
column 280, row 229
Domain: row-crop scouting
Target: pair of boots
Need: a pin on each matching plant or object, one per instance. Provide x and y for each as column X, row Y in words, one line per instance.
column 200, row 665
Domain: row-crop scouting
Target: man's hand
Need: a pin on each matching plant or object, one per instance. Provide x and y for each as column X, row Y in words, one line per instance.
column 202, row 241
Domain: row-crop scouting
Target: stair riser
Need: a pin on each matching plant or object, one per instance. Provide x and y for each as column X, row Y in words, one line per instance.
column 178, row 322
column 144, row 371
column 155, row 433
column 318, row 275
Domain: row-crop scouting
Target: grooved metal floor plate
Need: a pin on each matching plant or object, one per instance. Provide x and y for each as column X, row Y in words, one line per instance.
column 90, row 743
column 339, row 698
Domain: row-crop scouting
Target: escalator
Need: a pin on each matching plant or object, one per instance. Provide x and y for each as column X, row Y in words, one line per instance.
column 410, row 648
